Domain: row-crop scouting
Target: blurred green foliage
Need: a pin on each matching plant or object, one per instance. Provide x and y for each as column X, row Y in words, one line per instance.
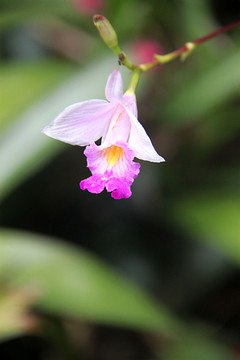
column 194, row 108
column 74, row 283
column 212, row 217
column 202, row 94
column 24, row 83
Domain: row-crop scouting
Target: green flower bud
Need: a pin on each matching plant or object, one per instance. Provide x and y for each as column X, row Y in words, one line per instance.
column 106, row 31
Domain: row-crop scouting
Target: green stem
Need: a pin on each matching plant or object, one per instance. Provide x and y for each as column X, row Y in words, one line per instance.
column 123, row 59
column 134, row 81
column 183, row 52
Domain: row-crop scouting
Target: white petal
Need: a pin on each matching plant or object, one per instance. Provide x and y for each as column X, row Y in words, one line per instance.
column 119, row 128
column 114, row 86
column 81, row 123
column 140, row 142
column 130, row 103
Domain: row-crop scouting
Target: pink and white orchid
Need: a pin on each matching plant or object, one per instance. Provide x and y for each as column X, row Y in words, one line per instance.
column 123, row 138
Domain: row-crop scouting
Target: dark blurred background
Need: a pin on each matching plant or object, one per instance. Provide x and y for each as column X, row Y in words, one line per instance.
column 178, row 236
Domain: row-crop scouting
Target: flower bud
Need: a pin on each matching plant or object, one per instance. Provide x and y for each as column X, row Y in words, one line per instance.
column 106, row 31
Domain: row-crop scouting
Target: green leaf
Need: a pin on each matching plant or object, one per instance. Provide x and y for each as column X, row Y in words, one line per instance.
column 24, row 83
column 71, row 282
column 15, row 12
column 198, row 348
column 211, row 217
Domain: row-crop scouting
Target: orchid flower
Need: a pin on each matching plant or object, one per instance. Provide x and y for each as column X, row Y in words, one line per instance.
column 123, row 138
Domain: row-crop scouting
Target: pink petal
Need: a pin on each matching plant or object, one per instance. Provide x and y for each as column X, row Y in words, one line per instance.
column 140, row 142
column 120, row 188
column 114, row 86
column 116, row 178
column 94, row 184
column 81, row 123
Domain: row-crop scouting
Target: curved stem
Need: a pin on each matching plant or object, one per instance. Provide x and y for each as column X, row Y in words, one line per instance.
column 134, row 81
column 186, row 49
column 182, row 52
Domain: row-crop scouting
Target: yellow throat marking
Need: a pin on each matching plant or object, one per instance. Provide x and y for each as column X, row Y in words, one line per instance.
column 113, row 154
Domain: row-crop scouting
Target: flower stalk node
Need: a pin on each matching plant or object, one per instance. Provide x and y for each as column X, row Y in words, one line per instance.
column 123, row 59
column 190, row 46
